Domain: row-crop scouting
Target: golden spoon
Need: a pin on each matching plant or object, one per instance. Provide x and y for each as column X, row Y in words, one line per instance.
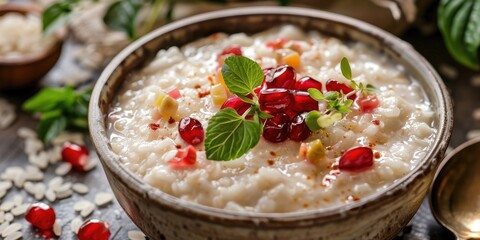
column 455, row 192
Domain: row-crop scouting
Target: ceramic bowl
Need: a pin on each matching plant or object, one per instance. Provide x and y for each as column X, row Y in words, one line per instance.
column 22, row 72
column 161, row 216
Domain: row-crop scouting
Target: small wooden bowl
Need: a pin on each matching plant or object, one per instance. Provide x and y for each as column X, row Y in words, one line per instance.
column 22, row 72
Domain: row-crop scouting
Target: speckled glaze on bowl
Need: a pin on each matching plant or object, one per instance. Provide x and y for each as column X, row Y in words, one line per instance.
column 161, row 216
column 23, row 72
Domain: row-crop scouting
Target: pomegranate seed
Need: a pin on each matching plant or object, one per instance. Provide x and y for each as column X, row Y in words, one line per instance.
column 236, row 103
column 191, row 130
column 307, row 82
column 277, row 43
column 334, row 85
column 94, row 229
column 175, row 93
column 303, row 102
column 356, row 159
column 275, row 129
column 75, row 154
column 41, row 216
column 368, row 103
column 274, row 100
column 282, row 77
column 299, row 131
column 232, row 50
column 185, row 157
column 154, row 126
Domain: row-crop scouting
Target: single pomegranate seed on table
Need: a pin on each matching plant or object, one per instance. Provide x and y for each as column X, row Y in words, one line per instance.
column 368, row 103
column 334, row 85
column 275, row 129
column 191, row 130
column 94, row 229
column 303, row 102
column 356, row 159
column 282, row 77
column 274, row 100
column 41, row 216
column 299, row 130
column 185, row 157
column 75, row 154
column 237, row 104
column 303, row 84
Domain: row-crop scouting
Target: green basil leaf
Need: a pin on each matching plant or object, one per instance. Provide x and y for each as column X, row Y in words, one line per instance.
column 49, row 128
column 316, row 94
column 57, row 15
column 459, row 23
column 229, row 136
column 241, row 75
column 311, row 120
column 345, row 67
column 122, row 15
column 46, row 100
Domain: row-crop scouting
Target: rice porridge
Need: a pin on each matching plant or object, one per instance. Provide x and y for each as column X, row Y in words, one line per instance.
column 157, row 124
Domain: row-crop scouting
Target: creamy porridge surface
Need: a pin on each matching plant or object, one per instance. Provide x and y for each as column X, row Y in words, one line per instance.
column 271, row 177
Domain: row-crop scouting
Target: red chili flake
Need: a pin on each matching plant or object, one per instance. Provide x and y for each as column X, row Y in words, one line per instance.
column 210, row 79
column 273, row 153
column 178, row 146
column 154, row 126
column 197, row 86
column 376, row 122
column 278, row 43
column 185, row 157
column 377, row 155
column 305, row 205
column 202, row 94
column 270, row 162
column 171, row 120
column 353, row 198
column 175, row 93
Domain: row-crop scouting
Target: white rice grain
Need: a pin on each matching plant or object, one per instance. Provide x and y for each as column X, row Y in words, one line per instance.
column 75, row 224
column 64, row 187
column 18, row 200
column 7, row 111
column 55, row 182
column 57, row 227
column 5, row 185
column 2, row 216
column 2, row 193
column 33, row 146
column 40, row 189
column 33, row 173
column 82, row 204
column 102, row 199
column 50, row 195
column 3, row 226
column 40, row 160
column 87, row 210
column 91, row 164
column 8, row 217
column 80, row 188
column 14, row 236
column 136, row 235
column 20, row 210
column 6, row 206
column 20, row 180
column 29, row 187
column 25, row 133
column 11, row 229
column 63, row 169
column 65, row 194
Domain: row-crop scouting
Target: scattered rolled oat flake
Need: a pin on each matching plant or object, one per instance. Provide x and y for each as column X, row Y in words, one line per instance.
column 448, row 71
column 50, row 195
column 80, row 188
column 85, row 212
column 75, row 224
column 7, row 206
column 14, row 235
column 473, row 134
column 136, row 235
column 7, row 111
column 63, row 169
column 11, row 229
column 57, row 227
column 475, row 80
column 103, row 198
column 20, row 210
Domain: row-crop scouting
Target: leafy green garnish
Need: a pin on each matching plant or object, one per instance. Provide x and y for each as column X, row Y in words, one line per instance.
column 229, row 135
column 122, row 15
column 459, row 23
column 56, row 15
column 311, row 120
column 345, row 67
column 60, row 109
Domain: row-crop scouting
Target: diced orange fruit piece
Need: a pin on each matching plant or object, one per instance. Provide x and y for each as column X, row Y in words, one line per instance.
column 160, row 97
column 316, row 152
column 219, row 94
column 168, row 108
column 292, row 59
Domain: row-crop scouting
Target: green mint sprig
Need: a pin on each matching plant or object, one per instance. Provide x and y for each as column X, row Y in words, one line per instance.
column 229, row 135
column 60, row 109
column 338, row 103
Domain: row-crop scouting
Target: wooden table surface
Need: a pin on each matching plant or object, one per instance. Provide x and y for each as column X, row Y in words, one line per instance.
column 423, row 226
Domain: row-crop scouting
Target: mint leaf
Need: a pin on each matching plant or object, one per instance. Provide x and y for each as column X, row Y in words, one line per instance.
column 241, row 75
column 345, row 67
column 46, row 100
column 229, row 136
column 50, row 127
column 122, row 15
column 56, row 15
column 311, row 120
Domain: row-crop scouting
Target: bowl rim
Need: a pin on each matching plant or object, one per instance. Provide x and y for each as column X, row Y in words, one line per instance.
column 427, row 163
column 25, row 8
